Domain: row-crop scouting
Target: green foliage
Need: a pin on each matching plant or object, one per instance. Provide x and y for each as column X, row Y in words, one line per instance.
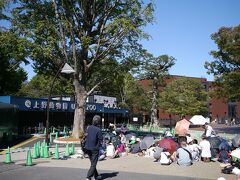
column 156, row 67
column 39, row 87
column 227, row 86
column 184, row 96
column 91, row 36
column 133, row 95
column 100, row 31
column 3, row 7
column 11, row 54
column 226, row 66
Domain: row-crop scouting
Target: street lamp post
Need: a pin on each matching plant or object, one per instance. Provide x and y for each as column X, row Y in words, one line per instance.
column 66, row 69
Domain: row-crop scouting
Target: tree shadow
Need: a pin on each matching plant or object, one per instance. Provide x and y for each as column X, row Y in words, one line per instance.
column 109, row 175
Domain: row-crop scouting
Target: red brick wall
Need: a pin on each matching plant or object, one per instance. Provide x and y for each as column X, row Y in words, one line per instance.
column 216, row 106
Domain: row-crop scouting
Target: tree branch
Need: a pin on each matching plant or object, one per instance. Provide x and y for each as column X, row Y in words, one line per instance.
column 103, row 54
column 62, row 35
column 94, row 87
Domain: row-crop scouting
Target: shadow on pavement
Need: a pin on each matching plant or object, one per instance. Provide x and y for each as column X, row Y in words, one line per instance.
column 34, row 163
column 109, row 175
column 14, row 141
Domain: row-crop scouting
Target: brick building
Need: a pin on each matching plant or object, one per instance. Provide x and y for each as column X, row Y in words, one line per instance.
column 217, row 108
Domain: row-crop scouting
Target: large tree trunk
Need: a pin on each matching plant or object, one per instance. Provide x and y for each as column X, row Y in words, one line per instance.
column 154, row 119
column 79, row 115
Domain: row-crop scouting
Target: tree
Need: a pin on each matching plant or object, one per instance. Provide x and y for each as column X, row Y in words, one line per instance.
column 39, row 86
column 226, row 66
column 11, row 74
column 155, row 68
column 88, row 34
column 184, row 96
column 133, row 96
column 3, row 5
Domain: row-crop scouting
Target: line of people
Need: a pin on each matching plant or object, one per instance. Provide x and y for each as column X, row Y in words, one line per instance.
column 182, row 150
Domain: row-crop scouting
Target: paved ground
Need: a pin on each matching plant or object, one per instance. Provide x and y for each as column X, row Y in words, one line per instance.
column 222, row 128
column 39, row 173
column 129, row 168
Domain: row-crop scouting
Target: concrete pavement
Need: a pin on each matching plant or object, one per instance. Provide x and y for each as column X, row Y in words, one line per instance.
column 130, row 167
column 55, row 173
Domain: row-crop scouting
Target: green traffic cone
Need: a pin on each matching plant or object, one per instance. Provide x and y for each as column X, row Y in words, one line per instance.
column 45, row 152
column 56, row 137
column 44, row 143
column 51, row 139
column 34, row 152
column 8, row 150
column 73, row 149
column 56, row 154
column 41, row 151
column 67, row 150
column 38, row 149
column 8, row 157
column 29, row 158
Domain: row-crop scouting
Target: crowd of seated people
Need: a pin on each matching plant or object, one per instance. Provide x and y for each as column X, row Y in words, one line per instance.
column 183, row 150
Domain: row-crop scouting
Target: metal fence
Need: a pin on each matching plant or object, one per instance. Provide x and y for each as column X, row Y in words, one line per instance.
column 229, row 121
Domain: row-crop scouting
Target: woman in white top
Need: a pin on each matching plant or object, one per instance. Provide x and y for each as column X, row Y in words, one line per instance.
column 205, row 149
column 165, row 158
column 150, row 152
column 110, row 151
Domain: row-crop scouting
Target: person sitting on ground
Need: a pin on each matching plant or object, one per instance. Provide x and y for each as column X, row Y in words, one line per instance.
column 157, row 153
column 224, row 152
column 224, row 156
column 122, row 138
column 236, row 161
column 194, row 148
column 124, row 128
column 112, row 128
column 110, row 152
column 205, row 149
column 103, row 149
column 120, row 150
column 165, row 158
column 157, row 150
column 150, row 151
column 135, row 145
column 183, row 155
column 102, row 154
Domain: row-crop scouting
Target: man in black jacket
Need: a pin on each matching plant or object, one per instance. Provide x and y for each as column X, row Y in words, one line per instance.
column 93, row 142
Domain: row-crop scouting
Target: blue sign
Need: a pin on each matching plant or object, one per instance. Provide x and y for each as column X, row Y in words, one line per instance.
column 36, row 104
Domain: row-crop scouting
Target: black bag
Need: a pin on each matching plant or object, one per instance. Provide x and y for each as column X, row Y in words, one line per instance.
column 227, row 170
column 83, row 142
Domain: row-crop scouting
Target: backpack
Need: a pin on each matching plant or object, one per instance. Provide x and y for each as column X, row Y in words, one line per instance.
column 82, row 144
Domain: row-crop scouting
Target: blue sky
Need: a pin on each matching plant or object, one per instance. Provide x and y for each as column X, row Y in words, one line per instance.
column 182, row 29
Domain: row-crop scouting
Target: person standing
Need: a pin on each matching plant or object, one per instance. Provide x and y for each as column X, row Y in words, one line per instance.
column 209, row 132
column 93, row 142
